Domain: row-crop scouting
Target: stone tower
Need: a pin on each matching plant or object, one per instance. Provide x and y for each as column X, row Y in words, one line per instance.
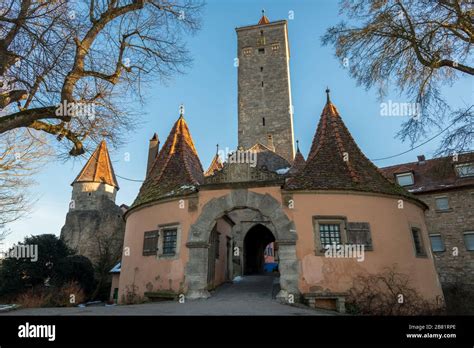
column 94, row 224
column 264, row 90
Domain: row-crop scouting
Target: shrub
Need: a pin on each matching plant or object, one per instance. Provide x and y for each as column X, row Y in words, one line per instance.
column 52, row 297
column 69, row 295
column 388, row 293
column 35, row 298
column 18, row 275
column 131, row 296
column 75, row 268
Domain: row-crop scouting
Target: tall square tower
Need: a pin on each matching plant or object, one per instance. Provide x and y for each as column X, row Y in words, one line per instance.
column 264, row 90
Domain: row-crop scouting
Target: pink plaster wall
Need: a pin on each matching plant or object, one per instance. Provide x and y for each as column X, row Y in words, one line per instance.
column 391, row 238
column 147, row 273
column 390, row 228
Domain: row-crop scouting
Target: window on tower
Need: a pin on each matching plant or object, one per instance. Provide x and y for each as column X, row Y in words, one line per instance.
column 263, row 121
column 275, row 47
column 247, row 51
column 261, row 68
column 261, row 50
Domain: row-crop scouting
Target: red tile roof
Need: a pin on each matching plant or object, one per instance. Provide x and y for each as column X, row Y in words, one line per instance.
column 263, row 20
column 98, row 168
column 433, row 175
column 177, row 169
column 298, row 163
column 268, row 159
column 216, row 165
column 335, row 162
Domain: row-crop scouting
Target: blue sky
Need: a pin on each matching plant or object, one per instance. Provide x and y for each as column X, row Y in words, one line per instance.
column 209, row 93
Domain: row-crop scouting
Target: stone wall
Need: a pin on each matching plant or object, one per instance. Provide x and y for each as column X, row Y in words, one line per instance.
column 264, row 88
column 88, row 195
column 455, row 263
column 90, row 232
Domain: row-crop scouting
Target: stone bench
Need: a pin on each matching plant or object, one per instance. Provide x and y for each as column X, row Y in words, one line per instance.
column 160, row 295
column 332, row 301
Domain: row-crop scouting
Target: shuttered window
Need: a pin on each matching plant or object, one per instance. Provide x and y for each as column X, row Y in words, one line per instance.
column 150, row 243
column 359, row 233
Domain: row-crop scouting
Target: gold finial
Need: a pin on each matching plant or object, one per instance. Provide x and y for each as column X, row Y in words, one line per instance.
column 181, row 110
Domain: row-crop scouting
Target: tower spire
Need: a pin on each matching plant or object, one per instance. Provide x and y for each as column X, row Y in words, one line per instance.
column 181, row 110
column 328, row 98
column 98, row 168
column 264, row 19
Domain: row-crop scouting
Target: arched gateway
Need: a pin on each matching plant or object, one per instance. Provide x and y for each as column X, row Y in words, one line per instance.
column 282, row 228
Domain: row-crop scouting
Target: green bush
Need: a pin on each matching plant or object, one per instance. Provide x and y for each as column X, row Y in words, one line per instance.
column 75, row 268
column 54, row 269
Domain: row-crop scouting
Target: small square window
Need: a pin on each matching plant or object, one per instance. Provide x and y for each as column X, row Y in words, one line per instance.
column 469, row 240
column 169, row 241
column 442, row 203
column 329, row 234
column 418, row 242
column 465, row 170
column 437, row 244
column 261, row 50
column 275, row 47
column 405, row 179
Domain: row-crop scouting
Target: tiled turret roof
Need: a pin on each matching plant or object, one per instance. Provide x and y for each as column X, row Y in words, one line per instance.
column 216, row 165
column 299, row 162
column 177, row 169
column 335, row 162
column 98, row 168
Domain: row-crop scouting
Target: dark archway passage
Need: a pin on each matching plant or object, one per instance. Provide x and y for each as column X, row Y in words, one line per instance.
column 255, row 242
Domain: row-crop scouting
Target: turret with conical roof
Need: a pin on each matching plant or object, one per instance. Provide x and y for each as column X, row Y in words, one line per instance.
column 216, row 164
column 299, row 162
column 335, row 162
column 177, row 169
column 93, row 215
column 95, row 181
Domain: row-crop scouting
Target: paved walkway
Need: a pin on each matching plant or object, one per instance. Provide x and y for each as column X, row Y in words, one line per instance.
column 250, row 296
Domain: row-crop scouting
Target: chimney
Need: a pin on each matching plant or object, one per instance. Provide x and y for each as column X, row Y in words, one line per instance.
column 153, row 149
column 270, row 142
column 421, row 159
